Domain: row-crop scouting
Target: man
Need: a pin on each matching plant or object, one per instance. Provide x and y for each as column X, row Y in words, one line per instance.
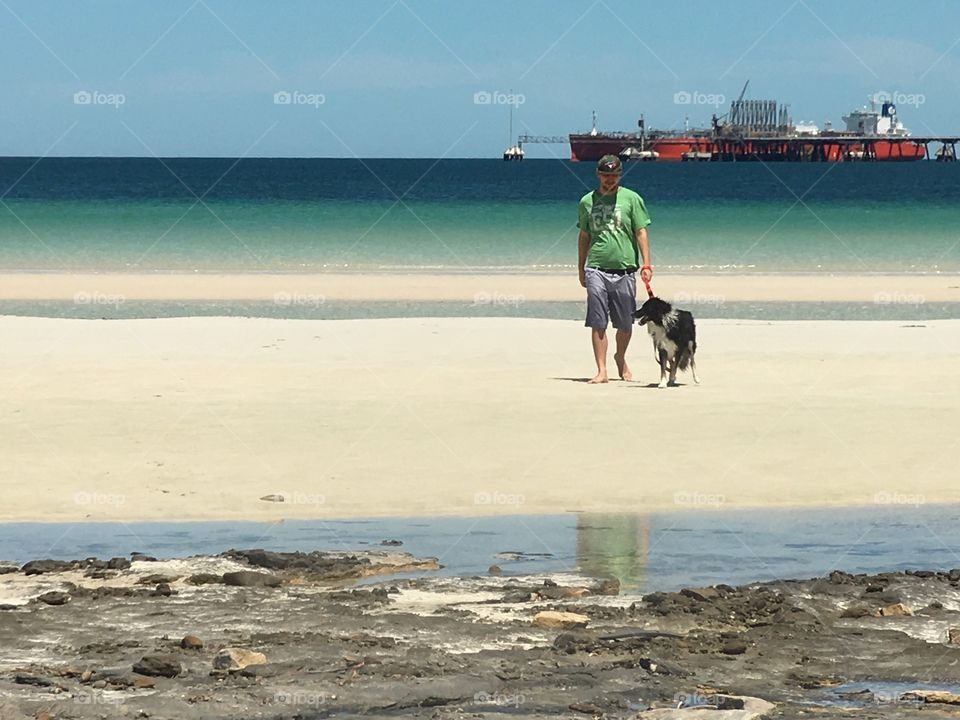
column 613, row 237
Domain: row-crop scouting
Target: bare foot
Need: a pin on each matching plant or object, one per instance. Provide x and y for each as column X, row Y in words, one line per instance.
column 622, row 368
column 601, row 377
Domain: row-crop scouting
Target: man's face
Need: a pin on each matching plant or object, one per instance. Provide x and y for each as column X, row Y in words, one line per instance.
column 608, row 181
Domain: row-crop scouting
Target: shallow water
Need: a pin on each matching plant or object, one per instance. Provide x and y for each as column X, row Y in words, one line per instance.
column 646, row 551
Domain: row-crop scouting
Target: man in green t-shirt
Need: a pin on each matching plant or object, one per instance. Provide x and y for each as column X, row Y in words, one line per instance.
column 613, row 236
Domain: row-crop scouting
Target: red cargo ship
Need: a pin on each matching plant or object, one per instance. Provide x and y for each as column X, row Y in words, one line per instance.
column 762, row 130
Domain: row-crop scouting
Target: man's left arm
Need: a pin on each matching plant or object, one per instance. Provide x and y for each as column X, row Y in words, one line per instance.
column 643, row 242
column 641, row 218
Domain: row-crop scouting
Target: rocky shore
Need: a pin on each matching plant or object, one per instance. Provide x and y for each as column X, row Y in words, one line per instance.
column 258, row 634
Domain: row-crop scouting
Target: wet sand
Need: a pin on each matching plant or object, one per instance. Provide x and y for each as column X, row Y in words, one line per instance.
column 293, row 288
column 201, row 418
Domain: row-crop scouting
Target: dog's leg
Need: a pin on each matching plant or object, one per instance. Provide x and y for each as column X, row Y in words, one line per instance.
column 693, row 364
column 663, row 368
column 674, row 362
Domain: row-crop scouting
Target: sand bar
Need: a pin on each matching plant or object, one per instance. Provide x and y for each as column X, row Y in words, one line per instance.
column 198, row 418
column 290, row 289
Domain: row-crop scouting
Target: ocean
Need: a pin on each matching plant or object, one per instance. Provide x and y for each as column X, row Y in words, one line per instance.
column 645, row 551
column 452, row 216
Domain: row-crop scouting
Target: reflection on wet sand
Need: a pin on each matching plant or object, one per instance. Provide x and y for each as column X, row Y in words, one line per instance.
column 614, row 545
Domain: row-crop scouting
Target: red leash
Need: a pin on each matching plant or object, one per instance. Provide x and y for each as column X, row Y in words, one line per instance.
column 646, row 283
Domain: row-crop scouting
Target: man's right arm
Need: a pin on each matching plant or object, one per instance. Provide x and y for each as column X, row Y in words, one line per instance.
column 584, row 246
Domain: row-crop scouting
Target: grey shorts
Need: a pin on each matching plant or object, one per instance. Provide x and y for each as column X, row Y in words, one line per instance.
column 610, row 297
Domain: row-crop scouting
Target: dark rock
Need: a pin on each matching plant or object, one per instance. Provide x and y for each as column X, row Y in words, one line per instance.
column 118, row 563
column 204, row 579
column 360, row 596
column 574, row 641
column 558, row 592
column 128, row 680
column 734, row 646
column 856, row 611
column 158, row 666
column 100, row 574
column 922, row 574
column 954, row 575
column 7, row 569
column 39, row 567
column 191, row 642
column 31, row 679
column 157, row 578
column 659, row 667
column 725, row 702
column 163, row 590
column 610, row 586
column 8, row 606
column 54, row 598
column 656, row 598
column 140, row 557
column 248, row 578
column 706, row 594
column 391, row 543
column 839, row 577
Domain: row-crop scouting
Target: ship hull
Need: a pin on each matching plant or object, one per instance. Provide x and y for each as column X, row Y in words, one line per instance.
column 822, row 149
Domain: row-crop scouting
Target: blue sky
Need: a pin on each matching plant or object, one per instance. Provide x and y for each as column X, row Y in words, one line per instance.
column 398, row 78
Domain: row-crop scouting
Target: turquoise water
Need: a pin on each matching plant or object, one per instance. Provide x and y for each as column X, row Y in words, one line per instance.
column 334, row 235
column 261, row 215
column 645, row 551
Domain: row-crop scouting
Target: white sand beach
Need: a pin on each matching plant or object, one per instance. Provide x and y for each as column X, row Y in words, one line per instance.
column 198, row 418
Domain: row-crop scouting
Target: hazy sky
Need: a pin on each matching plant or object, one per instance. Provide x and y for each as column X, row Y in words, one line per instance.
column 402, row 78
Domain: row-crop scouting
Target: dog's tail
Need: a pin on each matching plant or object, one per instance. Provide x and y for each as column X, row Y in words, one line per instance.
column 687, row 355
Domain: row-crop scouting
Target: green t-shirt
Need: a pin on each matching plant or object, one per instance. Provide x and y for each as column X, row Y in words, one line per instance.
column 612, row 221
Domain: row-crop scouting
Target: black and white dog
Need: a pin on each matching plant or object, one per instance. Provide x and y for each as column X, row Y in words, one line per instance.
column 674, row 338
